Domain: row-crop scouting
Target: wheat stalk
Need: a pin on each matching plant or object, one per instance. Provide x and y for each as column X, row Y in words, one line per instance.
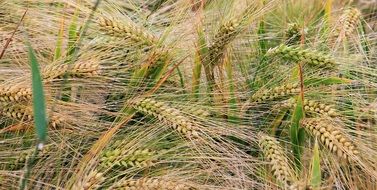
column 278, row 160
column 308, row 56
column 331, row 137
column 165, row 113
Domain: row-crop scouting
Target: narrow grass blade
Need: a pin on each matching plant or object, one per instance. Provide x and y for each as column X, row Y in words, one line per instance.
column 316, row 168
column 326, row 81
column 59, row 41
column 39, row 105
column 73, row 33
column 39, row 110
column 295, row 134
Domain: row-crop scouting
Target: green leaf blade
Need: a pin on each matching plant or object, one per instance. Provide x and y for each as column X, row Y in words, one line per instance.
column 316, row 168
column 297, row 136
column 39, row 107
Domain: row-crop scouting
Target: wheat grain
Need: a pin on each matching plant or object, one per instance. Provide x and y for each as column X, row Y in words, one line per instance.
column 331, row 137
column 165, row 113
column 308, row 56
column 278, row 160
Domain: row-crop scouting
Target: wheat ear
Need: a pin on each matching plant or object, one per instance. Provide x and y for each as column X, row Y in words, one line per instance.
column 349, row 21
column 127, row 158
column 276, row 93
column 167, row 114
column 278, row 160
column 10, row 93
column 313, row 107
column 78, row 69
column 331, row 137
column 127, row 31
column 308, row 56
column 151, row 183
column 91, row 181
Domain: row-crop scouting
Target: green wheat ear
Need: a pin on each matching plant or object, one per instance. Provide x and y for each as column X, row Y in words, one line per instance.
column 127, row 158
column 308, row 56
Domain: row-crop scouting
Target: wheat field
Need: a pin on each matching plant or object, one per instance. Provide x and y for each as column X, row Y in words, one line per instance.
column 188, row 94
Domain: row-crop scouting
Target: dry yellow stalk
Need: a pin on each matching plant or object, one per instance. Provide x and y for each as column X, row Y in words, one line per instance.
column 165, row 113
column 274, row 153
column 127, row 31
column 152, row 184
column 91, row 181
column 331, row 137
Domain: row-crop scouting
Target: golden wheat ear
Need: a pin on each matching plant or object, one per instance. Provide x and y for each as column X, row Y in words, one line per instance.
column 91, row 181
column 332, row 137
column 165, row 113
column 276, row 156
column 151, row 183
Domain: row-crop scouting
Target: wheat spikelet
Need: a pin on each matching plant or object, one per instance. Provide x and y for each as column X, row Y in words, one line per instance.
column 127, row 158
column 331, row 137
column 78, row 69
column 276, row 93
column 305, row 55
column 151, row 183
column 127, row 31
column 277, row 158
column 167, row 114
column 91, row 181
